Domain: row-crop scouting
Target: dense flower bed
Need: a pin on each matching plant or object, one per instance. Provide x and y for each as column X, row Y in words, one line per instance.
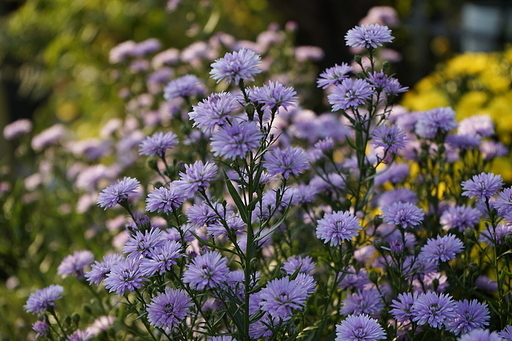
column 234, row 213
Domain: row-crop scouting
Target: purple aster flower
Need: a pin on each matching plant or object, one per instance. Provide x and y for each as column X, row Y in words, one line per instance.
column 503, row 204
column 353, row 279
column 166, row 200
column 117, row 193
column 459, row 217
column 494, row 235
column 41, row 328
column 209, row 270
column 482, row 186
column 334, row 75
column 169, row 308
column 141, row 243
column 366, row 301
column 17, row 128
column 470, row 315
column 402, row 214
column 213, row 111
column 222, row 338
column 391, row 138
column 158, row 143
column 236, row 66
column 442, row 248
column 119, row 52
column 506, row 334
column 43, row 299
column 434, row 309
column 336, row 227
column 273, row 96
column 389, row 85
column 233, row 223
column 432, row 122
column 402, row 306
column 492, row 149
column 288, row 161
column 302, row 264
column 102, row 324
column 147, row 46
column 197, row 177
column 463, row 142
column 184, row 86
column 100, row 270
column 125, row 276
column 359, row 328
column 351, row 93
column 280, row 296
column 161, row 259
column 395, row 173
column 200, row 214
column 480, row 125
column 48, row 136
column 306, row 281
column 402, row 194
column 368, row 36
column 235, row 141
column 73, row 265
column 80, row 335
column 480, row 335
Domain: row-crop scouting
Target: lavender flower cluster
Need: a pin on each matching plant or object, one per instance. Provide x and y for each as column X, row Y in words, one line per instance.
column 258, row 219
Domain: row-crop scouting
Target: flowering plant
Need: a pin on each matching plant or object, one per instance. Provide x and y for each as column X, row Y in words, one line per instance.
column 258, row 219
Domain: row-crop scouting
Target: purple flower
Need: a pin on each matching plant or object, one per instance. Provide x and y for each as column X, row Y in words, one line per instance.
column 80, row 335
column 434, row 309
column 402, row 306
column 282, row 295
column 402, row 214
column 47, row 137
column 222, row 338
column 184, row 86
column 17, row 128
column 236, row 66
column 141, row 243
column 463, row 142
column 167, row 309
column 353, row 279
column 117, row 193
column 147, row 46
column 100, row 270
column 359, row 328
column 334, row 75
column 158, row 143
column 161, row 259
column 119, row 52
column 480, row 125
column 302, row 264
column 402, row 194
column 213, row 111
column 41, row 328
column 480, row 335
column 368, row 36
column 288, row 161
column 442, row 248
column 124, row 276
column 209, row 270
column 366, row 301
column 197, row 177
column 389, row 85
column 494, row 235
column 391, row 138
column 432, row 122
column 459, row 217
column 470, row 315
column 351, row 93
column 73, row 265
column 235, row 141
column 482, row 186
column 43, row 299
column 492, row 149
column 506, row 334
column 166, row 200
column 273, row 96
column 503, row 204
column 336, row 227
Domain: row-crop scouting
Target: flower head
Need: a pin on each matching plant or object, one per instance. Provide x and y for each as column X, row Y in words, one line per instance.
column 235, row 141
column 480, row 335
column 402, row 306
column 161, row 259
column 184, row 86
column 432, row 122
column 158, row 143
column 17, row 128
column 213, row 111
column 366, row 301
column 434, row 309
column 334, row 75
column 209, row 270
column 303, row 264
column 482, row 186
column 74, row 264
column 442, row 248
column 470, row 315
column 100, row 270
column 236, row 66
column 163, row 199
column 503, row 204
column 124, row 276
column 368, row 36
column 350, row 93
column 167, row 309
column 141, row 243
column 335, row 227
column 402, row 214
column 196, row 177
column 282, row 295
column 117, row 193
column 391, row 138
column 43, row 299
column 459, row 217
column 288, row 161
column 273, row 96
column 359, row 328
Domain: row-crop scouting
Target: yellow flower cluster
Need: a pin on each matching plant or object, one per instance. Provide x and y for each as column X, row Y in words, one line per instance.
column 471, row 83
